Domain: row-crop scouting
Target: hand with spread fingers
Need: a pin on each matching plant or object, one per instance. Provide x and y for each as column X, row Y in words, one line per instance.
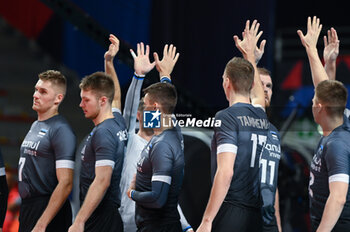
column 250, row 35
column 142, row 64
column 314, row 28
column 166, row 65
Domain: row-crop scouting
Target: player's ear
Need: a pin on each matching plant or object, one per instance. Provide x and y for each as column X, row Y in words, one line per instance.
column 59, row 98
column 156, row 106
column 103, row 100
column 138, row 115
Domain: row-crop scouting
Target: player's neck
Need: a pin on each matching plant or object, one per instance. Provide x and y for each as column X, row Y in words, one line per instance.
column 164, row 126
column 145, row 134
column 103, row 115
column 330, row 123
column 236, row 98
column 42, row 116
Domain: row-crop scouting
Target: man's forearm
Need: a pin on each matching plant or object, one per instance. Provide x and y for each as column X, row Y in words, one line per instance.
column 330, row 68
column 57, row 199
column 331, row 214
column 317, row 70
column 93, row 198
column 110, row 70
column 218, row 193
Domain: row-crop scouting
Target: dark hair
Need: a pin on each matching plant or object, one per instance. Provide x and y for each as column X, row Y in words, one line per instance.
column 241, row 75
column 99, row 82
column 56, row 78
column 334, row 95
column 163, row 93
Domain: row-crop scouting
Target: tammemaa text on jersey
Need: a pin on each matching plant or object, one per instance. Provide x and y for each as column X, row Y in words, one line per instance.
column 243, row 131
column 105, row 146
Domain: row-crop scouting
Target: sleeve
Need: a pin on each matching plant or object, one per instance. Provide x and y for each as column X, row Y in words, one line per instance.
column 162, row 165
column 64, row 144
column 226, row 134
column 132, row 103
column 105, row 145
column 337, row 159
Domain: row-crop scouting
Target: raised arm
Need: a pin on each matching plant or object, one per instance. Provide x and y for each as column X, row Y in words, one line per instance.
column 331, row 52
column 166, row 65
column 309, row 41
column 109, row 69
column 142, row 66
column 247, row 47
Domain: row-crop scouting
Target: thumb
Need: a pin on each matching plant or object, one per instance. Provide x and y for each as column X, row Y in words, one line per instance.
column 156, row 57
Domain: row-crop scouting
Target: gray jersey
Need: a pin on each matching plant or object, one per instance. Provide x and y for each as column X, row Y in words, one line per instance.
column 49, row 145
column 104, row 147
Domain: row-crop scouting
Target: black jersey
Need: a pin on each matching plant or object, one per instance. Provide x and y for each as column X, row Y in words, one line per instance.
column 104, row 147
column 49, row 144
column 243, row 131
column 331, row 162
column 2, row 165
column 269, row 163
column 161, row 160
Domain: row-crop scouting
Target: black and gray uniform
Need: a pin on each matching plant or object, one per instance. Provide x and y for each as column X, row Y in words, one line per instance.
column 243, row 131
column 160, row 172
column 104, row 147
column 331, row 162
column 269, row 163
column 49, row 145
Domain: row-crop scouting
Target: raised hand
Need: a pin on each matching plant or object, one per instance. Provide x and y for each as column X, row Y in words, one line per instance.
column 166, row 65
column 331, row 46
column 250, row 36
column 142, row 64
column 259, row 51
column 314, row 28
column 113, row 48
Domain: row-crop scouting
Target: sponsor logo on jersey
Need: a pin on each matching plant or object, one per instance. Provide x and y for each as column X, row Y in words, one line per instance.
column 30, row 147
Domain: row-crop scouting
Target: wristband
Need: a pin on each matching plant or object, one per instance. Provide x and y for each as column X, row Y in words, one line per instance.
column 138, row 76
column 187, row 228
column 165, row 79
column 132, row 194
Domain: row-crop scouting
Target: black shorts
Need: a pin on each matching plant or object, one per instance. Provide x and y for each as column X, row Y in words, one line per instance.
column 171, row 227
column 271, row 227
column 105, row 218
column 32, row 209
column 237, row 218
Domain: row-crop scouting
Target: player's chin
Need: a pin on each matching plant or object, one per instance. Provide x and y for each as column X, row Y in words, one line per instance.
column 35, row 107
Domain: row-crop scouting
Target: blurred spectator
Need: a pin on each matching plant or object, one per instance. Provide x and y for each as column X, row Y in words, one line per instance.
column 11, row 223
